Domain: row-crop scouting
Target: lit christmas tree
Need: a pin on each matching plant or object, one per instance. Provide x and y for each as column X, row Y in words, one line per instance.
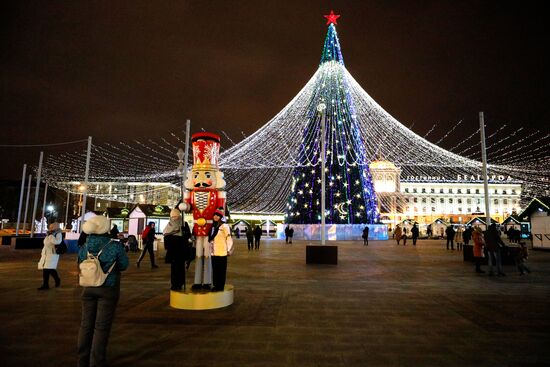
column 350, row 196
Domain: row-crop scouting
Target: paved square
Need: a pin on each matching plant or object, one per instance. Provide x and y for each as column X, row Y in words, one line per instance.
column 382, row 305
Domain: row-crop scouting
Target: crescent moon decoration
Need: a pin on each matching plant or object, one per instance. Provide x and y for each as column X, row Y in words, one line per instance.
column 341, row 210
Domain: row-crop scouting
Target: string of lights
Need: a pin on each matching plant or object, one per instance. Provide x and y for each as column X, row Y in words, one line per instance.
column 268, row 170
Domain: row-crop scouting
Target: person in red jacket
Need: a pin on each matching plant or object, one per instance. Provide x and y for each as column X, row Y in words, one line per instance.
column 148, row 239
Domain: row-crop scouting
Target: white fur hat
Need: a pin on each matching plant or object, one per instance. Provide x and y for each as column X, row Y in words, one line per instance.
column 97, row 225
column 175, row 213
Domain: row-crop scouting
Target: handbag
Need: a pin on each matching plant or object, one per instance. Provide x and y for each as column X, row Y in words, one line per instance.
column 48, row 261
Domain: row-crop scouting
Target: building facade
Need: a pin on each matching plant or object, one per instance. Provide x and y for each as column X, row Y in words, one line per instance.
column 454, row 199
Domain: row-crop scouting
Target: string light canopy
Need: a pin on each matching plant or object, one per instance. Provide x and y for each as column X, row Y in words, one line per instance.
column 267, row 172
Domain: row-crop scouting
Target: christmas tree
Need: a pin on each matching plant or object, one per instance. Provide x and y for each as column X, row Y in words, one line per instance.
column 350, row 196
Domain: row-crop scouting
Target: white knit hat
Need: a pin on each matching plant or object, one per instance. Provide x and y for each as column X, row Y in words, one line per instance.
column 175, row 213
column 97, row 225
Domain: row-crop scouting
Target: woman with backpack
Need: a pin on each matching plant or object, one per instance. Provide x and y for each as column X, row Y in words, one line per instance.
column 49, row 258
column 99, row 302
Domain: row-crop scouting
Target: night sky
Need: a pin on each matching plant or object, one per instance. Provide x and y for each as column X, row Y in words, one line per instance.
column 137, row 69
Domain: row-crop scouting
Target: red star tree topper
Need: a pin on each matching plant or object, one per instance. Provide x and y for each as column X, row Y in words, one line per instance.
column 331, row 18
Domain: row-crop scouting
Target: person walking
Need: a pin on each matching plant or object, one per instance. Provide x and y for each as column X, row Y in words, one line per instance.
column 477, row 237
column 49, row 258
column 494, row 245
column 250, row 238
column 148, row 239
column 397, row 234
column 287, row 233
column 365, row 236
column 415, row 233
column 450, row 232
column 257, row 236
column 114, row 231
column 99, row 303
column 221, row 245
column 429, row 230
column 290, row 234
column 459, row 238
column 404, row 236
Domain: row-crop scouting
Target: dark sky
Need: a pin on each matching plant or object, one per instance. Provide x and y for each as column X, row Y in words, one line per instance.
column 137, row 69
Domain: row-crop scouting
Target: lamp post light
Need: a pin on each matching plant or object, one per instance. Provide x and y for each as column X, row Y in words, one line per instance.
column 50, row 211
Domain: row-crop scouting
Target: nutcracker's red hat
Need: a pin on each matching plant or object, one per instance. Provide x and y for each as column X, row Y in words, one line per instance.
column 206, row 151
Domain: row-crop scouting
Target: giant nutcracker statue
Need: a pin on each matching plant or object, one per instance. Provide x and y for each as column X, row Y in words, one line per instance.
column 204, row 195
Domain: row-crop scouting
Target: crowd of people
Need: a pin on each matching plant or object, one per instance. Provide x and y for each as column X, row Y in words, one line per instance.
column 487, row 245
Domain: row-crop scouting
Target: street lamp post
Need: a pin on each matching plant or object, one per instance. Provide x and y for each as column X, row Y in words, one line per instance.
column 181, row 169
column 321, row 108
column 183, row 156
column 80, row 220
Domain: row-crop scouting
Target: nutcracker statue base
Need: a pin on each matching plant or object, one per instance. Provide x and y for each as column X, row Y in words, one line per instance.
column 188, row 300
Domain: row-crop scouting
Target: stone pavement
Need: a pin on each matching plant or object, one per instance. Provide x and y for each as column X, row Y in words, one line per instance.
column 382, row 305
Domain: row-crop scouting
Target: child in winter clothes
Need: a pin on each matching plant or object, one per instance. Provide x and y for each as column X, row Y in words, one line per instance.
column 521, row 256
